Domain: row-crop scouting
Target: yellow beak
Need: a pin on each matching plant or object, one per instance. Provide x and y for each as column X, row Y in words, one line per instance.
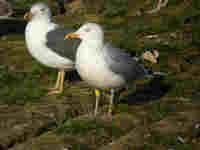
column 71, row 36
column 28, row 16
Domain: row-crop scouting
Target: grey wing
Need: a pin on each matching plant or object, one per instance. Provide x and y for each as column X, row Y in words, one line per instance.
column 64, row 47
column 123, row 64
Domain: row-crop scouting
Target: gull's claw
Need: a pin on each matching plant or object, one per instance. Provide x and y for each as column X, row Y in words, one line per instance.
column 54, row 92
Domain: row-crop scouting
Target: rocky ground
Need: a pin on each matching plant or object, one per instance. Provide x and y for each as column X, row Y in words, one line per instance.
column 159, row 114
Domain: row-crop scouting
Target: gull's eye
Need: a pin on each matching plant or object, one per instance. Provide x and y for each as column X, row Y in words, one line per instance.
column 42, row 9
column 87, row 29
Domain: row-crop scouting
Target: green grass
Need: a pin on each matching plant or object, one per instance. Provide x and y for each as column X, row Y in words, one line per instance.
column 26, row 4
column 15, row 37
column 161, row 111
column 170, row 142
column 83, row 127
column 16, row 87
column 115, row 8
column 80, row 147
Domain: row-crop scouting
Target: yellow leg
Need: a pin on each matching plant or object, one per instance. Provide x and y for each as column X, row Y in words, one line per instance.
column 98, row 95
column 58, row 80
column 111, row 102
column 62, row 81
column 59, row 84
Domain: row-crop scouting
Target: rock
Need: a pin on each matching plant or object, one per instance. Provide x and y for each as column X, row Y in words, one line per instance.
column 5, row 8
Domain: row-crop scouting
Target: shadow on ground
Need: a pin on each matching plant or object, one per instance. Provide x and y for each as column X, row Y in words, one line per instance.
column 73, row 76
column 10, row 26
column 147, row 93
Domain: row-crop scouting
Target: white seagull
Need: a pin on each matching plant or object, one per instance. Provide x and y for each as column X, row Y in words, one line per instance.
column 103, row 66
column 46, row 43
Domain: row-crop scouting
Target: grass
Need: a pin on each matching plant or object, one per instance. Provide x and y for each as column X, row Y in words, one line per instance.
column 115, row 8
column 161, row 111
column 21, row 74
column 170, row 142
column 83, row 127
column 22, row 83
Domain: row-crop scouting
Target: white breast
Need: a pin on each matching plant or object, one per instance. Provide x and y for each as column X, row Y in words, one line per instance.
column 92, row 68
column 35, row 39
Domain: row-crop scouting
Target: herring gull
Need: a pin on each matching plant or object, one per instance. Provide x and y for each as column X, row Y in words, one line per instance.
column 46, row 43
column 102, row 65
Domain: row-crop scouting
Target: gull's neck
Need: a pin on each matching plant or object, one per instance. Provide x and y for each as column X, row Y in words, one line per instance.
column 43, row 19
column 94, row 43
column 39, row 26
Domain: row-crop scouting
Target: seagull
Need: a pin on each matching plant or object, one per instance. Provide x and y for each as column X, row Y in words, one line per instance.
column 45, row 42
column 102, row 65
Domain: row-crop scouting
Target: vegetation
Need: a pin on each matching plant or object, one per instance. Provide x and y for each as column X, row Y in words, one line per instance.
column 159, row 113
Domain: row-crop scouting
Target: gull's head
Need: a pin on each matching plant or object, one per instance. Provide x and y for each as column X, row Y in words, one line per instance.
column 89, row 32
column 38, row 10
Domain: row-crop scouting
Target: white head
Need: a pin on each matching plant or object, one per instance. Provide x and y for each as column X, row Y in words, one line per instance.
column 38, row 10
column 90, row 32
